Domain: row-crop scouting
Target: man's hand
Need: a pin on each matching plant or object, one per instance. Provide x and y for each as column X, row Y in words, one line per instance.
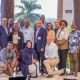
column 33, row 61
column 42, row 49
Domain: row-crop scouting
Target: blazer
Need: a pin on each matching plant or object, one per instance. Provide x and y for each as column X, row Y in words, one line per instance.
column 4, row 37
column 62, row 38
column 41, row 38
column 20, row 41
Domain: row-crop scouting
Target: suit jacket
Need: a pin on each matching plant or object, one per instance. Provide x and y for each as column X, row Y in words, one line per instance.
column 20, row 41
column 62, row 38
column 4, row 37
column 41, row 38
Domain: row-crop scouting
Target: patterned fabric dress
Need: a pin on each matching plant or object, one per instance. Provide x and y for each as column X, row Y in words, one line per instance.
column 74, row 39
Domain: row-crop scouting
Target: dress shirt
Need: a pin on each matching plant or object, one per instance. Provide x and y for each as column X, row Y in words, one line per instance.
column 28, row 35
column 51, row 50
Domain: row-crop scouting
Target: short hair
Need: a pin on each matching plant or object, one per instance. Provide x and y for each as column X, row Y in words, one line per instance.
column 27, row 22
column 4, row 18
column 51, row 24
column 16, row 24
column 42, row 16
column 10, row 42
column 64, row 22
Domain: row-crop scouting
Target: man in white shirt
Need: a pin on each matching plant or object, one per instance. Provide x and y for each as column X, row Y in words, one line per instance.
column 28, row 33
column 21, row 27
column 52, row 58
column 10, row 24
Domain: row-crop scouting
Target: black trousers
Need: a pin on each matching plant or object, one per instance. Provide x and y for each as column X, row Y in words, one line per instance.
column 40, row 58
column 62, row 57
column 79, row 61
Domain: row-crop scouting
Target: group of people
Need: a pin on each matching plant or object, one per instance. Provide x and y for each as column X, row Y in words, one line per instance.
column 39, row 49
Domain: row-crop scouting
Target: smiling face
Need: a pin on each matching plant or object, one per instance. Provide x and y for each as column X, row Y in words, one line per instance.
column 27, row 24
column 63, row 25
column 10, row 46
column 73, row 27
column 56, row 23
column 4, row 21
column 16, row 26
column 49, row 26
column 10, row 21
column 49, row 40
column 39, row 24
column 22, row 22
column 42, row 18
column 29, row 44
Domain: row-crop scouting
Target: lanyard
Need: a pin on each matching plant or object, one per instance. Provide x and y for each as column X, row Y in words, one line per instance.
column 60, row 31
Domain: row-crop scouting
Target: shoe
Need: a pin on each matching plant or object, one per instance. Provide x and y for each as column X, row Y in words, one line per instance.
column 33, row 76
column 41, row 73
column 49, row 76
column 62, row 74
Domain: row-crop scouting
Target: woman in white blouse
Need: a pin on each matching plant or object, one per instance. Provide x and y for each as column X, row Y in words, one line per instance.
column 16, row 36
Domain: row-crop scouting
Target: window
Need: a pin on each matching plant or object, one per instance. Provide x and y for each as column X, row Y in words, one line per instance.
column 68, row 11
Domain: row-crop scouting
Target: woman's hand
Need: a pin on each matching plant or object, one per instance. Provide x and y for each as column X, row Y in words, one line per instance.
column 33, row 61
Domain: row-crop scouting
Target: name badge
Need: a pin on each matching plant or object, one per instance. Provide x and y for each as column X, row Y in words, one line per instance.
column 62, row 32
column 18, row 37
column 25, row 32
column 74, row 40
column 25, row 35
column 39, row 38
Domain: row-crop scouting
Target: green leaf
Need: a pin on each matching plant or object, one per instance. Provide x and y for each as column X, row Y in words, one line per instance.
column 27, row 7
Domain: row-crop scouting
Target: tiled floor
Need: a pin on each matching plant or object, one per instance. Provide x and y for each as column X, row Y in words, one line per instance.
column 49, row 79
column 44, row 78
column 7, row 78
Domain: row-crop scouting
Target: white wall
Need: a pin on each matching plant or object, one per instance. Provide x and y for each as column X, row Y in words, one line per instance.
column 68, row 5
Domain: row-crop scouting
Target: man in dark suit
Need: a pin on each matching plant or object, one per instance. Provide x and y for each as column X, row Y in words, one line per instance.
column 40, row 35
column 10, row 24
column 4, row 33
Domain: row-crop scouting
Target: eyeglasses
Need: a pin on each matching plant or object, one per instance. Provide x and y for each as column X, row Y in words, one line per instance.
column 49, row 25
